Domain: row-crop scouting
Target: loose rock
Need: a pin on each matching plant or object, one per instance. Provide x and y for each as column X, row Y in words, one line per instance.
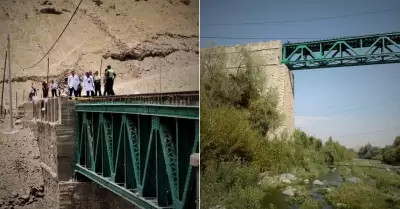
column 318, row 182
column 14, row 194
column 25, row 197
column 353, row 180
column 289, row 176
column 288, row 193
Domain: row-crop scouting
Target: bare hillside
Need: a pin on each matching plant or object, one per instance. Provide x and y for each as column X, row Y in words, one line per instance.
column 140, row 39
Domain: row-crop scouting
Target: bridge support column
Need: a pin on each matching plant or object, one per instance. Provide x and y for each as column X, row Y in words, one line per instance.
column 194, row 161
column 53, row 122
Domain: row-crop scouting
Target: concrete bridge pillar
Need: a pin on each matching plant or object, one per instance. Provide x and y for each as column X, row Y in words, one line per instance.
column 53, row 122
column 278, row 78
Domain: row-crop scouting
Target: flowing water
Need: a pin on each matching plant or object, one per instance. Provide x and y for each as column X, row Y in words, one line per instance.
column 275, row 196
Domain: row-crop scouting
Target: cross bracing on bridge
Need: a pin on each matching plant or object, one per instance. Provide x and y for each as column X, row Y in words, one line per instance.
column 138, row 146
column 341, row 52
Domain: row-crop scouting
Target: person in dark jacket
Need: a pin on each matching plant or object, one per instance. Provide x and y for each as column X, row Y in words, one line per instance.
column 110, row 76
column 45, row 89
column 32, row 93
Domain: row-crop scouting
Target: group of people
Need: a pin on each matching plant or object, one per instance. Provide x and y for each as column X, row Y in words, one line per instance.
column 45, row 88
column 75, row 84
column 91, row 83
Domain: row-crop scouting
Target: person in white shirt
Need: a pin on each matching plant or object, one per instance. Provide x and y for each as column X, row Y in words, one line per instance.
column 73, row 82
column 53, row 88
column 91, row 76
column 88, row 84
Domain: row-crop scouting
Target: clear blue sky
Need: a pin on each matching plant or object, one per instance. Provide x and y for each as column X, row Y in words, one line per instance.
column 354, row 105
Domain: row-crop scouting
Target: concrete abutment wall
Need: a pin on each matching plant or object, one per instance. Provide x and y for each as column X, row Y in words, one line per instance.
column 53, row 122
column 267, row 56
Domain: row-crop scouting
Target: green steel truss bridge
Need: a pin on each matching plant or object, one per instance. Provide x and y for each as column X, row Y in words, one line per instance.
column 341, row 52
column 139, row 147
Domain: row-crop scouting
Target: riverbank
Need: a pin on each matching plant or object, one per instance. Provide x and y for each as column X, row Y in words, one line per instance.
column 352, row 185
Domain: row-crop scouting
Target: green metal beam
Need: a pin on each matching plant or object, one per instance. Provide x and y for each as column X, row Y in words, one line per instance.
column 128, row 195
column 341, row 52
column 136, row 156
column 189, row 112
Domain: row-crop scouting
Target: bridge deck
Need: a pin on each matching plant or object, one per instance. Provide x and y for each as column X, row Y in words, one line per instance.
column 340, row 52
column 138, row 146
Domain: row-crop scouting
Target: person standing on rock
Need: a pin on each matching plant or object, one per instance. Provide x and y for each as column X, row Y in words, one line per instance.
column 97, row 83
column 73, row 82
column 110, row 76
column 54, row 88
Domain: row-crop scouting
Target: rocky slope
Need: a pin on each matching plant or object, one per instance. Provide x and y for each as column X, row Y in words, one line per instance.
column 143, row 40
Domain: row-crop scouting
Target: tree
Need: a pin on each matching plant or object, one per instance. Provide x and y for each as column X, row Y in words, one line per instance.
column 396, row 142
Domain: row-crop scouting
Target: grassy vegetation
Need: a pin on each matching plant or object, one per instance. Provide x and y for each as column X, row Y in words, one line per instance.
column 237, row 115
column 389, row 154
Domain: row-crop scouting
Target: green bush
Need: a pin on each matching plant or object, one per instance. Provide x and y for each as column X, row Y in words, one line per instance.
column 225, row 134
column 360, row 196
column 236, row 119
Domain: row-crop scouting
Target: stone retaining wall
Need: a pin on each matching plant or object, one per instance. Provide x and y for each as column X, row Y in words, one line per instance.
column 267, row 56
column 53, row 122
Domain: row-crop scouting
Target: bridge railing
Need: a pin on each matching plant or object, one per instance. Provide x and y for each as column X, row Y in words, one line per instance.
column 48, row 109
column 139, row 147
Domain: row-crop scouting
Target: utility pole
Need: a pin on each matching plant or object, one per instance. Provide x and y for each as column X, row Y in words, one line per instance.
column 160, row 79
column 48, row 69
column 4, row 81
column 10, row 84
column 101, row 66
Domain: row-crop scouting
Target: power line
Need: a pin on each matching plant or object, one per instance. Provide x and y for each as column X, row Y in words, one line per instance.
column 302, row 20
column 365, row 107
column 65, row 28
column 371, row 132
column 272, row 38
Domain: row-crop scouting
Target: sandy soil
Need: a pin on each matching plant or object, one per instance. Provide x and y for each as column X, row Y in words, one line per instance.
column 141, row 39
column 138, row 38
column 19, row 164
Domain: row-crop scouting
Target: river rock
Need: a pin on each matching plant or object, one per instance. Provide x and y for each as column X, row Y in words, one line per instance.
column 288, row 176
column 267, row 180
column 286, row 181
column 288, row 193
column 318, row 182
column 353, row 180
column 291, row 188
column 306, row 181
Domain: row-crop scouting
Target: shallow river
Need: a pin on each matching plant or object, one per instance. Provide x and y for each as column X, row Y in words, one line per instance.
column 275, row 196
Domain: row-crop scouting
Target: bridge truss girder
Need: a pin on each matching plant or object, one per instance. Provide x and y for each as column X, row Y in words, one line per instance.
column 341, row 52
column 142, row 158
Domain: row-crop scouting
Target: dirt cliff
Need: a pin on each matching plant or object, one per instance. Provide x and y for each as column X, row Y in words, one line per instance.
column 143, row 40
